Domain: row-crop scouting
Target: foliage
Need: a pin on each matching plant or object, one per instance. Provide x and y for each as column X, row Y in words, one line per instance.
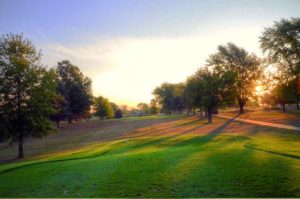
column 76, row 90
column 170, row 96
column 144, row 108
column 246, row 67
column 192, row 94
column 26, row 90
column 103, row 108
column 114, row 106
column 215, row 88
column 285, row 93
column 153, row 107
column 282, row 43
column 118, row 113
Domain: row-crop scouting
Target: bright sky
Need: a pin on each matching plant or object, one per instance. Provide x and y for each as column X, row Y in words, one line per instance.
column 128, row 47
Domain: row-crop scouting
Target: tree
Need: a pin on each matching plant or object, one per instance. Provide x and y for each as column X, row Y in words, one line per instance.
column 284, row 93
column 118, row 113
column 246, row 67
column 171, row 97
column 59, row 104
column 282, row 43
column 103, row 108
column 144, row 108
column 114, row 106
column 179, row 100
column 153, row 107
column 75, row 88
column 192, row 94
column 164, row 95
column 116, row 110
column 26, row 90
column 215, row 89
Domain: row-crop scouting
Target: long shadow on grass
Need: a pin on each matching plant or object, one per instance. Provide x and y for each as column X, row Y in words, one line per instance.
column 272, row 152
column 166, row 176
column 237, row 173
column 94, row 155
column 203, row 139
column 111, row 151
column 176, row 140
column 164, row 139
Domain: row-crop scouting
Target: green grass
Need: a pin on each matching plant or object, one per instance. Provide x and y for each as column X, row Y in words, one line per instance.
column 185, row 157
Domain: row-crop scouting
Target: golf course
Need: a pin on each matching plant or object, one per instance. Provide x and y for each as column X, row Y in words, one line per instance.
column 162, row 156
column 149, row 99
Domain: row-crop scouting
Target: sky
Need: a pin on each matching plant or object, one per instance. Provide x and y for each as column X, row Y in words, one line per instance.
column 129, row 47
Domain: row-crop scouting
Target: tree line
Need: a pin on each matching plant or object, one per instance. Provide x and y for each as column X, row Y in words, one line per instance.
column 31, row 96
column 230, row 75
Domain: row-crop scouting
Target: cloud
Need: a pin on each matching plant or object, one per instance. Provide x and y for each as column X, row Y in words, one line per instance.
column 126, row 70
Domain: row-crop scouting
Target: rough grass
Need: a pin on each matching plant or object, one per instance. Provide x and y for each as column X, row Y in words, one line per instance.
column 185, row 157
column 80, row 134
column 290, row 117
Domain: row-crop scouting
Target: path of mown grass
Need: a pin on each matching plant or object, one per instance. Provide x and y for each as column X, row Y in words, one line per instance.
column 182, row 158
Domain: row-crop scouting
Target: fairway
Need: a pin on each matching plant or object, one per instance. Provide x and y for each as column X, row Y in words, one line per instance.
column 165, row 157
column 149, row 99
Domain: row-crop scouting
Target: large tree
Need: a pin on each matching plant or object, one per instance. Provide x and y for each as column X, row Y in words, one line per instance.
column 75, row 88
column 281, row 42
column 215, row 88
column 246, row 67
column 27, row 90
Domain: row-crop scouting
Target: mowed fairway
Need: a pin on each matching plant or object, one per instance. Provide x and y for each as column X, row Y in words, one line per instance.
column 175, row 157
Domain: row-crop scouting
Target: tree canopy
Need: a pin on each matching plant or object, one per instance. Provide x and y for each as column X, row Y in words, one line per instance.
column 171, row 97
column 76, row 90
column 144, row 108
column 27, row 90
column 215, row 89
column 103, row 108
column 246, row 68
column 281, row 42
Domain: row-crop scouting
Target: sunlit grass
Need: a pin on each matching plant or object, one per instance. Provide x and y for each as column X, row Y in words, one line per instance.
column 185, row 157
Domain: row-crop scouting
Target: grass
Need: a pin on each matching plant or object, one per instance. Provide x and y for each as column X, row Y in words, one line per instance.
column 290, row 117
column 178, row 157
column 74, row 136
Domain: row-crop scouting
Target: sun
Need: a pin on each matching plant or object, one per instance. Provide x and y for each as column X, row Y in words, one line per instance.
column 259, row 90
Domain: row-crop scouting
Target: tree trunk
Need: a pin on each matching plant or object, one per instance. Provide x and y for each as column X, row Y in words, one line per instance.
column 194, row 111
column 298, row 108
column 20, row 121
column 283, row 107
column 209, row 114
column 241, row 105
column 21, row 141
